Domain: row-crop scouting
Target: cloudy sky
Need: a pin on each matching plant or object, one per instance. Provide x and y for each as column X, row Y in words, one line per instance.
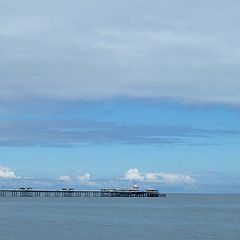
column 103, row 93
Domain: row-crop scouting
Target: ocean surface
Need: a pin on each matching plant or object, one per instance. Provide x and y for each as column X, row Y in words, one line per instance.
column 179, row 216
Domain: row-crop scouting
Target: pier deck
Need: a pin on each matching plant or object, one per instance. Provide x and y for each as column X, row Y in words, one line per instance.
column 77, row 193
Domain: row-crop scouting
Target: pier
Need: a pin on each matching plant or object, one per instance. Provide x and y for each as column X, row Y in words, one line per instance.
column 71, row 193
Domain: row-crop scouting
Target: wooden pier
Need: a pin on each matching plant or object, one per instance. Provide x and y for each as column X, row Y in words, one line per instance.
column 70, row 193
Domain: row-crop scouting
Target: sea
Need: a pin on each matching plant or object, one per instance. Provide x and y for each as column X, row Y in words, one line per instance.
column 178, row 216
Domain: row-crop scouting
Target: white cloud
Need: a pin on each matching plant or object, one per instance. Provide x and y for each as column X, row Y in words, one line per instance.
column 65, row 178
column 133, row 174
column 85, row 180
column 165, row 178
column 84, row 177
column 170, row 178
column 7, row 173
column 151, row 177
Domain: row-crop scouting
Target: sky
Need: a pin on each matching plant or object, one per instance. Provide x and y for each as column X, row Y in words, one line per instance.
column 111, row 93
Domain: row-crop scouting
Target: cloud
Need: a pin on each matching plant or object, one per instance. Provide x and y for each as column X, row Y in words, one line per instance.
column 86, row 180
column 133, row 174
column 7, row 173
column 151, row 177
column 85, row 52
column 202, row 182
column 82, row 180
column 84, row 177
column 75, row 133
column 65, row 178
column 170, row 178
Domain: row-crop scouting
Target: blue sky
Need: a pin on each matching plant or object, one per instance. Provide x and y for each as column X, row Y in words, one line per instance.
column 104, row 93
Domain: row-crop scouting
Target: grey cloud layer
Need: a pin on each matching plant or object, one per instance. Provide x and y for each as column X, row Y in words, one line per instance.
column 93, row 49
column 80, row 133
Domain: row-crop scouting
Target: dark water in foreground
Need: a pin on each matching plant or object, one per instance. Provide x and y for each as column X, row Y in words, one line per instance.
column 180, row 217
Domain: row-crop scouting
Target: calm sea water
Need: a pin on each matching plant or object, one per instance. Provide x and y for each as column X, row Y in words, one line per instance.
column 179, row 217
